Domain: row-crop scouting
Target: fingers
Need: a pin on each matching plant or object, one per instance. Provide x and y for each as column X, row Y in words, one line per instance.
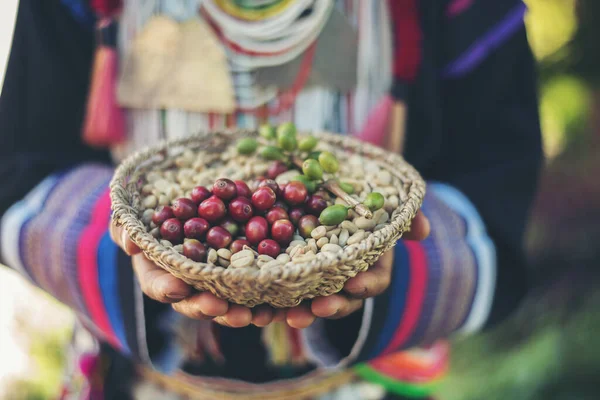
column 300, row 317
column 335, row 306
column 419, row 229
column 203, row 305
column 121, row 238
column 236, row 317
column 372, row 282
column 262, row 316
column 157, row 283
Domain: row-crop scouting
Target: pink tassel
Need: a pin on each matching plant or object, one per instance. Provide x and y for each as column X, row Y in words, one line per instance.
column 377, row 125
column 104, row 124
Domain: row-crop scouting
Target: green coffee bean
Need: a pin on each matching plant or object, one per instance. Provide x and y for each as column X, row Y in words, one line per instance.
column 346, row 187
column 267, row 131
column 272, row 153
column 310, row 185
column 247, row 146
column 312, row 170
column 333, row 215
column 374, row 201
column 286, row 129
column 308, row 143
column 288, row 142
column 328, row 162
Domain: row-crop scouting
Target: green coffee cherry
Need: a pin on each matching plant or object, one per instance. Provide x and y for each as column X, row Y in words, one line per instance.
column 308, row 143
column 328, row 162
column 286, row 129
column 287, row 142
column 310, row 185
column 247, row 146
column 271, row 153
column 374, row 201
column 312, row 170
column 314, row 155
column 333, row 215
column 267, row 131
column 346, row 187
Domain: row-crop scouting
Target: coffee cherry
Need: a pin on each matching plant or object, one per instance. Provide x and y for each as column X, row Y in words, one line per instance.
column 312, row 170
column 212, row 209
column 269, row 247
column 224, row 189
column 194, row 250
column 241, row 209
column 307, row 143
column 286, row 129
column 247, row 146
column 238, row 245
column 307, row 224
column 346, row 187
column 315, row 204
column 172, row 230
column 184, row 208
column 328, row 162
column 242, row 189
column 263, row 198
column 272, row 184
column 218, row 237
column 282, row 231
column 275, row 214
column 230, row 226
column 257, row 229
column 275, row 169
column 281, row 204
column 296, row 214
column 267, row 131
column 199, row 194
column 272, row 153
column 196, row 228
column 333, row 215
column 295, row 193
column 162, row 214
column 311, row 186
column 374, row 201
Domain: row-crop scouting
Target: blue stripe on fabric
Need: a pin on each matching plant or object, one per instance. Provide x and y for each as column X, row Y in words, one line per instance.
column 109, row 286
column 399, row 293
column 475, row 54
column 81, row 11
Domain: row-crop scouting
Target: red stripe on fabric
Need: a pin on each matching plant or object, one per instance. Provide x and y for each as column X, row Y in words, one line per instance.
column 408, row 38
column 404, row 367
column 416, row 294
column 456, row 7
column 87, row 265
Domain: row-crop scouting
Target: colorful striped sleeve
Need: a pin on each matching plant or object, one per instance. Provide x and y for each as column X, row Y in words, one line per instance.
column 57, row 237
column 441, row 286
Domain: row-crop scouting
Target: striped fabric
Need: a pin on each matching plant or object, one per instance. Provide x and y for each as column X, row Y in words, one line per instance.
column 57, row 236
column 440, row 286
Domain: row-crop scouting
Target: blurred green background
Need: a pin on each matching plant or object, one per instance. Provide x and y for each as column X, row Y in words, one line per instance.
column 548, row 350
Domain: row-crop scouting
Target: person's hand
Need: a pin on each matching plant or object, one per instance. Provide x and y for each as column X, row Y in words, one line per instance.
column 160, row 285
column 364, row 285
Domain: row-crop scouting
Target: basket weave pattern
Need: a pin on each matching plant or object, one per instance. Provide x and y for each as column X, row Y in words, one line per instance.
column 279, row 286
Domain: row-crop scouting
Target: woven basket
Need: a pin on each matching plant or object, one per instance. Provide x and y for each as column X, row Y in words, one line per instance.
column 283, row 286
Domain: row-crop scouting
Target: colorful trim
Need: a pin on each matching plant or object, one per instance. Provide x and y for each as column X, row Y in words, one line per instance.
column 473, row 56
column 408, row 39
column 395, row 386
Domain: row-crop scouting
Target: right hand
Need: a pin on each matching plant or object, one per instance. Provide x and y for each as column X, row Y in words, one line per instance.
column 161, row 286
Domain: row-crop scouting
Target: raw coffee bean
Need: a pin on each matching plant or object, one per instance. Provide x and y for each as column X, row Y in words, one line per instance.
column 333, row 215
column 147, row 216
column 374, row 201
column 155, row 233
column 364, row 223
column 343, row 238
column 267, row 131
column 242, row 259
column 332, row 232
column 296, row 251
column 304, row 257
column 312, row 244
column 357, row 237
column 224, row 253
column 194, row 250
column 349, row 226
column 334, row 239
column 322, row 242
column 212, row 257
column 329, row 162
column 308, row 143
column 223, row 262
column 150, row 202
column 391, row 203
column 166, row 243
column 379, row 227
column 381, row 216
column 284, row 258
column 272, row 264
column 318, row 232
column 312, row 170
column 178, row 248
column 263, row 259
column 147, row 188
column 331, row 248
column 247, row 146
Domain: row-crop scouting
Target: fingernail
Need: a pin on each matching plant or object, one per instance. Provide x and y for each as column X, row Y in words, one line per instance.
column 175, row 296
